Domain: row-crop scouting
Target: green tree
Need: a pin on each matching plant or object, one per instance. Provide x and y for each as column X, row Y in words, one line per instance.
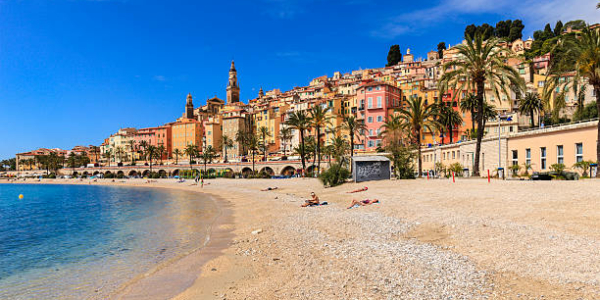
column 151, row 152
column 96, row 151
column 264, row 134
column 191, row 151
column 227, row 143
column 253, row 144
column 531, row 104
column 394, row 56
column 558, row 28
column 392, row 133
column 516, row 30
column 72, row 160
column 415, row 117
column 440, row 48
column 449, row 119
column 355, row 128
column 208, row 155
column 300, row 121
column 469, row 104
column 177, row 153
column 503, row 29
column 319, row 120
column 108, row 155
column 286, row 136
column 580, row 54
column 481, row 63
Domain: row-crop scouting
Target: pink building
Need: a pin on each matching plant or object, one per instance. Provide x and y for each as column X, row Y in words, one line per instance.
column 376, row 102
column 155, row 136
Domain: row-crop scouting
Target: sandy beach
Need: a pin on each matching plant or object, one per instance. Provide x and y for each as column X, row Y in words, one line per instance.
column 426, row 240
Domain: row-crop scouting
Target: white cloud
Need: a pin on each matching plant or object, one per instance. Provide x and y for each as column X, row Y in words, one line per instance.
column 534, row 13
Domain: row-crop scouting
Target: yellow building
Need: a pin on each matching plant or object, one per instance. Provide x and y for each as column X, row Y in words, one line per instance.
column 213, row 132
column 186, row 132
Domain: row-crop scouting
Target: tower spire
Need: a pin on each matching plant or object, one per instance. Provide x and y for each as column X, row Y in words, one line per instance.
column 233, row 89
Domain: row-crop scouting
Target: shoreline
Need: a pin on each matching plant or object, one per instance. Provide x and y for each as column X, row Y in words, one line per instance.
column 151, row 284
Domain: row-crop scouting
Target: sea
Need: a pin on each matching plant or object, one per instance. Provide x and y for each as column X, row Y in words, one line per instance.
column 87, row 241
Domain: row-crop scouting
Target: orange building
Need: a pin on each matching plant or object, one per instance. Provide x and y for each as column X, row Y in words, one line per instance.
column 186, row 132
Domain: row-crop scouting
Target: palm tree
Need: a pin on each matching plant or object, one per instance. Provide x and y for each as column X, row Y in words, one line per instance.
column 131, row 144
column 207, row 156
column 177, row 153
column 319, row 120
column 416, row 117
column 449, row 119
column 227, row 143
column 584, row 165
column 531, row 104
column 119, row 153
column 481, row 62
column 355, row 128
column 151, row 153
column 161, row 149
column 191, row 151
column 581, row 54
column 300, row 121
column 264, row 133
column 108, row 154
column 253, row 144
column 96, row 151
column 469, row 104
column 392, row 131
column 142, row 146
column 286, row 136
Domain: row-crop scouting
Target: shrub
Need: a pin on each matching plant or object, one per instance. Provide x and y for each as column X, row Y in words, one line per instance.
column 558, row 168
column 109, row 175
column 457, row 168
column 334, row 176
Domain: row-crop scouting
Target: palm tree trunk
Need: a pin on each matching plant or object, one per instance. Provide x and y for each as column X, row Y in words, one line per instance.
column 351, row 149
column 319, row 149
column 532, row 120
column 302, row 151
column 472, row 120
column 450, row 133
column 420, row 160
column 480, row 90
column 253, row 171
column 597, row 90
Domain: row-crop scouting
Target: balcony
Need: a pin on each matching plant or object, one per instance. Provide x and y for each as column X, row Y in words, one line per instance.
column 375, row 107
column 361, row 108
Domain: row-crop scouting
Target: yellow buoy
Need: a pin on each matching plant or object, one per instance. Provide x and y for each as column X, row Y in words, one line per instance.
column 21, row 196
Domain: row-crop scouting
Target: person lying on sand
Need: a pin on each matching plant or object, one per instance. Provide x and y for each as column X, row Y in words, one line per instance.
column 313, row 201
column 269, row 189
column 359, row 190
column 356, row 203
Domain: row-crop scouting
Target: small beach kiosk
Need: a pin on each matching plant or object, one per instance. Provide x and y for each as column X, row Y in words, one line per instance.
column 367, row 168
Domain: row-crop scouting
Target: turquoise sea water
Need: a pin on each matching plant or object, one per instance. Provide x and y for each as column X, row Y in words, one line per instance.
column 84, row 242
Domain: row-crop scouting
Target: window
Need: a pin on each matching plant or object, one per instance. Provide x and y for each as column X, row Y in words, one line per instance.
column 378, row 131
column 379, row 119
column 369, row 89
column 370, row 143
column 559, row 154
column 378, row 143
column 379, row 102
column 578, row 152
column 515, row 158
column 528, row 156
column 370, row 132
column 543, row 158
column 370, row 101
column 370, row 120
column 453, row 155
column 541, row 83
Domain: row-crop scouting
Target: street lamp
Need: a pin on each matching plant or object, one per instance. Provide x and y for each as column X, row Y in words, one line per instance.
column 500, row 118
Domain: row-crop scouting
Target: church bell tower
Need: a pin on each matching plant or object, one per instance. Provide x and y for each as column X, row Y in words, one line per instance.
column 233, row 90
column 189, row 107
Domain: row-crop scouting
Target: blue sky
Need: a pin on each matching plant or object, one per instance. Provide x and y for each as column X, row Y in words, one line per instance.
column 73, row 71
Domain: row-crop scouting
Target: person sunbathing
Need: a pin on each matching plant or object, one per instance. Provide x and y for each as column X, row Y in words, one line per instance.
column 359, row 190
column 269, row 189
column 311, row 202
column 356, row 203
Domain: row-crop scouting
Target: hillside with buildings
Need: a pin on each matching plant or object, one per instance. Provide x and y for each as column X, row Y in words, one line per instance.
column 372, row 96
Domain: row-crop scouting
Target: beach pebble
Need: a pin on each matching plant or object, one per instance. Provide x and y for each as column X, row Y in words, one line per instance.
column 257, row 231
